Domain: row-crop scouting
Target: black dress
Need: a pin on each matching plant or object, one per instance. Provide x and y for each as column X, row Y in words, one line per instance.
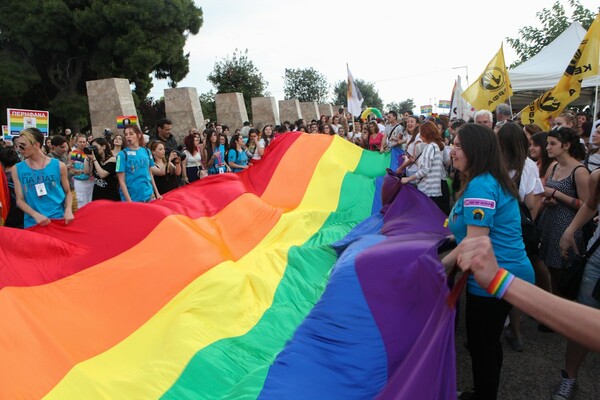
column 106, row 188
column 166, row 183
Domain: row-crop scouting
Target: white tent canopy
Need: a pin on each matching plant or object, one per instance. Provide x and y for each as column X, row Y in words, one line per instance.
column 543, row 71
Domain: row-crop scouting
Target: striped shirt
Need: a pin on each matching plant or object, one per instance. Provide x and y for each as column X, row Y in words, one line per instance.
column 431, row 171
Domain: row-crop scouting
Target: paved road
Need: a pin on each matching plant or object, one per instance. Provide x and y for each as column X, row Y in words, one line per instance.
column 532, row 374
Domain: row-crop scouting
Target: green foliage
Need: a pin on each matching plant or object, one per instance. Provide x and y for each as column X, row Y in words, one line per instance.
column 367, row 89
column 305, row 85
column 404, row 105
column 238, row 74
column 150, row 111
column 554, row 21
column 58, row 45
column 207, row 102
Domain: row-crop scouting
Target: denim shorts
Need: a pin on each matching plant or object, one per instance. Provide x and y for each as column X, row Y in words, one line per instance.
column 591, row 274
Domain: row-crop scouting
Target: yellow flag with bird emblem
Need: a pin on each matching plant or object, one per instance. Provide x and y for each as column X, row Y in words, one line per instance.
column 583, row 64
column 492, row 87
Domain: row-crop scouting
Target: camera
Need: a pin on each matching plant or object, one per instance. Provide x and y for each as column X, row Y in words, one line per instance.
column 179, row 152
column 88, row 150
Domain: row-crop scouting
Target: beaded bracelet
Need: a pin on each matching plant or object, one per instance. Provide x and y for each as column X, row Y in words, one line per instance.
column 499, row 285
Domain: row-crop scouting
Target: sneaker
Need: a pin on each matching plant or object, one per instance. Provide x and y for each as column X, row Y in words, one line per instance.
column 516, row 343
column 566, row 388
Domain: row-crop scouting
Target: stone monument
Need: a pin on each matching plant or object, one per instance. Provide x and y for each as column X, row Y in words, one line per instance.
column 289, row 110
column 264, row 112
column 231, row 110
column 182, row 107
column 108, row 99
column 310, row 111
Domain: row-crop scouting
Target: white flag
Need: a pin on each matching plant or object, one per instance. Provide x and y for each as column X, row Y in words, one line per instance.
column 459, row 107
column 355, row 98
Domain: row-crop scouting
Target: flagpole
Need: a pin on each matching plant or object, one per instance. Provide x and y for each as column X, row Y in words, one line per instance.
column 594, row 118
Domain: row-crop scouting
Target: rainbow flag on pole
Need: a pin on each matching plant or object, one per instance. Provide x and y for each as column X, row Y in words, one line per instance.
column 281, row 282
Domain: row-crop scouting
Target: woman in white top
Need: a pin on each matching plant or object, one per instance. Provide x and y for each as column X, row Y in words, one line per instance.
column 431, row 169
column 192, row 163
column 414, row 145
column 592, row 161
column 255, row 147
column 525, row 175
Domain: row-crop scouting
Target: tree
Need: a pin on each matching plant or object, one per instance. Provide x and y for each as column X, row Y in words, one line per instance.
column 305, row 85
column 367, row 89
column 150, row 111
column 238, row 74
column 209, row 108
column 86, row 40
column 404, row 105
column 554, row 21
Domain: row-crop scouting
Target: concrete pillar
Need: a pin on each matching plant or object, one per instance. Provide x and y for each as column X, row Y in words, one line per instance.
column 108, row 99
column 310, row 111
column 264, row 112
column 325, row 109
column 182, row 107
column 231, row 110
column 289, row 110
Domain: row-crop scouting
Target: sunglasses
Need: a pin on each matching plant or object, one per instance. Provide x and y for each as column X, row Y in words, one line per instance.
column 21, row 146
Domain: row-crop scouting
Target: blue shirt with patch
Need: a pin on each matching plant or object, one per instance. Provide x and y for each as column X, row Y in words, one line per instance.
column 484, row 203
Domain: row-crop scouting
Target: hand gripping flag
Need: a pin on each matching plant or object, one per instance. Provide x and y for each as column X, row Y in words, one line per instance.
column 492, row 87
column 583, row 65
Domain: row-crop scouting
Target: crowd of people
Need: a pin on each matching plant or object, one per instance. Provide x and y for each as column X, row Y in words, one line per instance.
column 488, row 176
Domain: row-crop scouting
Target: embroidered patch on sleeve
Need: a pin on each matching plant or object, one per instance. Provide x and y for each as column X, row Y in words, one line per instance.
column 483, row 203
column 478, row 214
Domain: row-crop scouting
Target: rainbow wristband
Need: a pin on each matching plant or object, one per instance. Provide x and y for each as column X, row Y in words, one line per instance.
column 499, row 285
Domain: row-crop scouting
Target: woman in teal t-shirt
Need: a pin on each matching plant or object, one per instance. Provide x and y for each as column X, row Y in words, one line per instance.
column 136, row 182
column 487, row 205
column 237, row 159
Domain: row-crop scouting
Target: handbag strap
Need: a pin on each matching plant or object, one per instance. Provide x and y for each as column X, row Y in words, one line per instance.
column 592, row 249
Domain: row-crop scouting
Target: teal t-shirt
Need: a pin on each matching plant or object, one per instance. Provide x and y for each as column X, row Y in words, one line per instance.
column 136, row 166
column 42, row 190
column 238, row 157
column 484, row 203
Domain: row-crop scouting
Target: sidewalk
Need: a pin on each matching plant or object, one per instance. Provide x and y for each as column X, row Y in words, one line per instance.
column 532, row 374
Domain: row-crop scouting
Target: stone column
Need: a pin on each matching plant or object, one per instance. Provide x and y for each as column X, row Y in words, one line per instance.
column 310, row 111
column 325, row 109
column 108, row 99
column 182, row 107
column 289, row 110
column 231, row 110
column 264, row 112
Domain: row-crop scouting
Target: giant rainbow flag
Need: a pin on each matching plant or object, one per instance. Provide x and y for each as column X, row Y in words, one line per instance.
column 281, row 282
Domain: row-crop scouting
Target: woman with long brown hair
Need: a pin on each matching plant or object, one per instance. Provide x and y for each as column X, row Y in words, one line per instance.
column 374, row 138
column 192, row 167
column 431, row 169
column 487, row 205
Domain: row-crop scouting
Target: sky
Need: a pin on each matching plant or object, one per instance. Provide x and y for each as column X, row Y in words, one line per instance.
column 407, row 49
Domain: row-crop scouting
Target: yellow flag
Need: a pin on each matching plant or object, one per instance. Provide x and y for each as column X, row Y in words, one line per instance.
column 492, row 87
column 583, row 64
